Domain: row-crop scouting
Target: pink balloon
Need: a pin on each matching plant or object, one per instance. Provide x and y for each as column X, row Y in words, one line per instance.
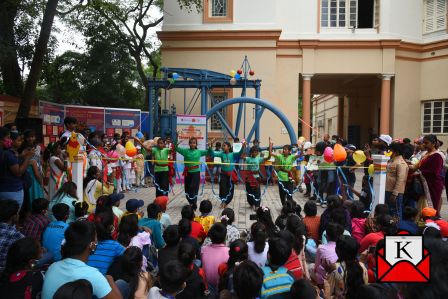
column 328, row 155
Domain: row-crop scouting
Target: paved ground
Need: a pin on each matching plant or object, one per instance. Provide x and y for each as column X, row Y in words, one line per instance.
column 239, row 203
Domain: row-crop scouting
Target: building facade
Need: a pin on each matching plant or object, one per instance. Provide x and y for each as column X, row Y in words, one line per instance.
column 385, row 61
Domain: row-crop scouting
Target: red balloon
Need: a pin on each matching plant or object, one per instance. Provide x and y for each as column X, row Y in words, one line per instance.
column 328, row 155
column 240, row 71
column 339, row 153
column 251, row 72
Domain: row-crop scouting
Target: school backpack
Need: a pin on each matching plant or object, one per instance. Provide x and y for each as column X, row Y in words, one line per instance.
column 276, row 284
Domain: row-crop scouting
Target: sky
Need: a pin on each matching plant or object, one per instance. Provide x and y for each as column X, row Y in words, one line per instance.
column 71, row 40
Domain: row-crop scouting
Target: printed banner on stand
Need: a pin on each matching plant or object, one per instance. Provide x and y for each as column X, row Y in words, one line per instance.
column 122, row 120
column 91, row 118
column 53, row 120
column 191, row 126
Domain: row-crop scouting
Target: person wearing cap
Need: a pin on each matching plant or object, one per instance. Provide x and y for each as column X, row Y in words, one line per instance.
column 396, row 176
column 132, row 207
column 192, row 168
column 385, row 140
column 430, row 215
column 165, row 219
column 115, row 198
column 431, row 167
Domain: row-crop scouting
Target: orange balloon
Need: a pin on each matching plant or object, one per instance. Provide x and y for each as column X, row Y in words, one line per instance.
column 339, row 153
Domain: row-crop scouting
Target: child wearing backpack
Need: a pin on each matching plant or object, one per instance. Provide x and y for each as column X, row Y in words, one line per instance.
column 277, row 280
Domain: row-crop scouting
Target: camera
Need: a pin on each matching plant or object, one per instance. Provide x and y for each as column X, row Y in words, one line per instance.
column 253, row 217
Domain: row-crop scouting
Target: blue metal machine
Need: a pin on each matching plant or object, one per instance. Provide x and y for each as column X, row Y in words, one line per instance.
column 162, row 122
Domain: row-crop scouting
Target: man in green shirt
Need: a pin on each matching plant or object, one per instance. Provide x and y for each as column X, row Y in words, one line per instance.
column 160, row 155
column 284, row 163
column 192, row 170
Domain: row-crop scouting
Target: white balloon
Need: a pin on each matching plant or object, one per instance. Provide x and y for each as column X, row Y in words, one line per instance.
column 307, row 145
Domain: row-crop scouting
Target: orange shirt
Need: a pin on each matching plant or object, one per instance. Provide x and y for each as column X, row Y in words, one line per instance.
column 312, row 227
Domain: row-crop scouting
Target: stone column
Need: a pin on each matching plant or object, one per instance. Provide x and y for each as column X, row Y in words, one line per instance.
column 385, row 104
column 379, row 180
column 306, row 106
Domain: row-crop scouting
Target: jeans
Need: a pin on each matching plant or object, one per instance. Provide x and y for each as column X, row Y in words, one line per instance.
column 16, row 196
column 395, row 209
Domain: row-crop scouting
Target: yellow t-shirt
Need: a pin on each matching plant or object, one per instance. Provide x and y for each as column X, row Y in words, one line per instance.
column 205, row 221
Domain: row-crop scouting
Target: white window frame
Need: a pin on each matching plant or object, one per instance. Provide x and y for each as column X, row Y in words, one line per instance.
column 443, row 118
column 213, row 103
column 438, row 14
column 219, row 16
column 349, row 17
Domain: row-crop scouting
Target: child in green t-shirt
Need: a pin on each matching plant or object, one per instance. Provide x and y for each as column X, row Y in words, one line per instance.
column 160, row 155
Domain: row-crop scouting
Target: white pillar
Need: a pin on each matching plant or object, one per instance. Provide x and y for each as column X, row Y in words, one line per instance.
column 379, row 180
column 78, row 174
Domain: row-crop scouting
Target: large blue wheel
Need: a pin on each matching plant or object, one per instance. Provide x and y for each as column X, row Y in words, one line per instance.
column 261, row 106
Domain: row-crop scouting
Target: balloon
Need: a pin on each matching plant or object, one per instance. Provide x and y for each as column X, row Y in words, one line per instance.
column 371, row 169
column 139, row 135
column 302, row 139
column 175, row 76
column 307, row 145
column 388, row 153
column 237, row 147
column 359, row 157
column 232, row 81
column 232, row 73
column 131, row 151
column 237, row 76
column 328, row 155
column 339, row 153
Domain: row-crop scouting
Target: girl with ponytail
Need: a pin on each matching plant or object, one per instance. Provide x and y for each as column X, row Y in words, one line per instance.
column 258, row 246
column 348, row 274
column 238, row 253
column 227, row 218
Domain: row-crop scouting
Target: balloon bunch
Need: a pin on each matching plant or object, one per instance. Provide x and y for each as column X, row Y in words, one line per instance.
column 238, row 75
column 339, row 154
column 173, row 77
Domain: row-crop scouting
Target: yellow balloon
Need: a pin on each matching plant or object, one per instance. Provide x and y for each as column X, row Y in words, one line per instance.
column 388, row 153
column 302, row 139
column 232, row 73
column 131, row 151
column 359, row 157
column 371, row 169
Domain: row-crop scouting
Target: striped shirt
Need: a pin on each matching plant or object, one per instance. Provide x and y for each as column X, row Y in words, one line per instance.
column 105, row 253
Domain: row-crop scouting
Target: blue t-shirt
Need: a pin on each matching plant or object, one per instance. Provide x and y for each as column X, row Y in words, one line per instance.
column 409, row 226
column 69, row 270
column 8, row 181
column 53, row 237
column 156, row 229
column 105, row 253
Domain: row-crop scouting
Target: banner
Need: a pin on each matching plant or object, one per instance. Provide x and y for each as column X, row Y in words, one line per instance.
column 121, row 120
column 191, row 126
column 144, row 121
column 91, row 118
column 53, row 120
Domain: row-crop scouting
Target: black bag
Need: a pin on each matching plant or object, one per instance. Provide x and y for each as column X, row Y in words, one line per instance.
column 417, row 186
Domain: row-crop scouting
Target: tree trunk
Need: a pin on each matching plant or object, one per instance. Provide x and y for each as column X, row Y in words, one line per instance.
column 38, row 59
column 9, row 64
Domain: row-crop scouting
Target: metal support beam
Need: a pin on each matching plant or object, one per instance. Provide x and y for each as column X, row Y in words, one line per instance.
column 263, row 103
column 204, row 97
column 257, row 111
column 256, row 124
column 151, row 117
column 238, row 118
column 225, row 124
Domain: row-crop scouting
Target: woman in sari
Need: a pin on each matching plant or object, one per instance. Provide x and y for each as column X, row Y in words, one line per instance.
column 431, row 167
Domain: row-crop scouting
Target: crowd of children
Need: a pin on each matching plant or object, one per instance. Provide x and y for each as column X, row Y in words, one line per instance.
column 70, row 247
